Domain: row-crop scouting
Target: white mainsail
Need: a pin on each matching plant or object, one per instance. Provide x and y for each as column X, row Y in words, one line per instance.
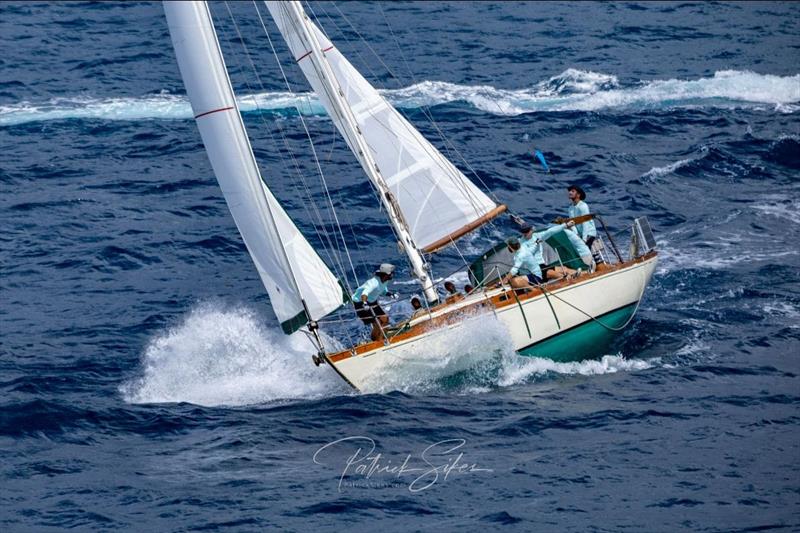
column 439, row 204
column 300, row 286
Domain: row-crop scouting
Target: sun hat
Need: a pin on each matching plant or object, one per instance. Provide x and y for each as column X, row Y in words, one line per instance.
column 386, row 268
column 579, row 190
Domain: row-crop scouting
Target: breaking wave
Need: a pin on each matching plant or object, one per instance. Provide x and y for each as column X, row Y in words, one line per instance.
column 572, row 90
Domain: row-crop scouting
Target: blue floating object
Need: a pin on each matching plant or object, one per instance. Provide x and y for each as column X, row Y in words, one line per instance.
column 540, row 156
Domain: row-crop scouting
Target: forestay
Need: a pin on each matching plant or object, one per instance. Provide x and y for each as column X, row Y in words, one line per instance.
column 290, row 269
column 438, row 202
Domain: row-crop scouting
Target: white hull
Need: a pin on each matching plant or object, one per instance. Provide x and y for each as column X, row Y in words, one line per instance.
column 437, row 353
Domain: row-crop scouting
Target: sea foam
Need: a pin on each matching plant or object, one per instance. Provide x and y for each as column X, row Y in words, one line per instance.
column 572, row 90
column 220, row 356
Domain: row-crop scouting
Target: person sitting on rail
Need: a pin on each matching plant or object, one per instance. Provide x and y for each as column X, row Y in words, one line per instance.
column 416, row 304
column 534, row 241
column 452, row 293
column 526, row 270
column 365, row 300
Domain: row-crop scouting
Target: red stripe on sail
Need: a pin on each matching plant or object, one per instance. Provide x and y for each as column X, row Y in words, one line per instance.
column 213, row 111
column 302, row 57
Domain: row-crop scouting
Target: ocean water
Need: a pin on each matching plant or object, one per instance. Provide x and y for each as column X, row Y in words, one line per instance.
column 145, row 384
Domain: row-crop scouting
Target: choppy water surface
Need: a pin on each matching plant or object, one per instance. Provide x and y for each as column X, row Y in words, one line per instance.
column 146, row 385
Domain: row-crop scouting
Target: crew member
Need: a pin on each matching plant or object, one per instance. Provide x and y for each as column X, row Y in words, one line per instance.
column 534, row 241
column 452, row 293
column 416, row 304
column 580, row 248
column 365, row 300
column 526, row 270
column 586, row 230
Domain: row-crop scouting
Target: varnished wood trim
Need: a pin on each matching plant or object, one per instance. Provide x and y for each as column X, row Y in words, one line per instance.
column 444, row 241
column 498, row 301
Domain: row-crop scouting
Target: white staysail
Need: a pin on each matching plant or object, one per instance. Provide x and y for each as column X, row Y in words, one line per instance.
column 438, row 203
column 300, row 285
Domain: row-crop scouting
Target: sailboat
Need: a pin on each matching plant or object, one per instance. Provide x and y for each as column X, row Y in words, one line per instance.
column 428, row 201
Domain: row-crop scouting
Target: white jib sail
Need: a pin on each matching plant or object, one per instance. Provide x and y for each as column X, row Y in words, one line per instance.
column 290, row 269
column 438, row 202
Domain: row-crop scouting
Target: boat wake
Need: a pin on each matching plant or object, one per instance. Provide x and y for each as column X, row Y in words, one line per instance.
column 519, row 369
column 218, row 356
column 572, row 90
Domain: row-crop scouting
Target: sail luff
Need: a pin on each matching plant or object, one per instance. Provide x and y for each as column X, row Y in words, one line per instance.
column 303, row 40
column 276, row 246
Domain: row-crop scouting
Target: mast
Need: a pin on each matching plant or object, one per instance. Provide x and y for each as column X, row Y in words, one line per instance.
column 348, row 120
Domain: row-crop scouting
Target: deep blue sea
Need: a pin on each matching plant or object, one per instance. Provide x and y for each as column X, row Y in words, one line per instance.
column 145, row 384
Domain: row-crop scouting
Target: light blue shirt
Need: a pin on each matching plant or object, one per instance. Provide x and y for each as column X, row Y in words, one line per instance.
column 580, row 247
column 587, row 229
column 534, row 244
column 525, row 263
column 373, row 288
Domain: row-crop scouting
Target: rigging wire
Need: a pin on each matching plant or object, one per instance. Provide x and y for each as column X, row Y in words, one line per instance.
column 456, row 177
column 296, row 164
column 425, row 109
column 332, row 248
column 434, row 155
column 437, row 158
column 317, row 162
column 330, row 153
column 337, row 265
column 337, row 225
column 345, row 133
column 427, row 148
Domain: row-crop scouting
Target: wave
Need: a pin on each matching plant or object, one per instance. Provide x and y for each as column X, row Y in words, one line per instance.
column 780, row 207
column 723, row 253
column 660, row 172
column 219, row 356
column 572, row 90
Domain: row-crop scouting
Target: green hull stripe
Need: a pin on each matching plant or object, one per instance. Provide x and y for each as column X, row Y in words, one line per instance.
column 582, row 341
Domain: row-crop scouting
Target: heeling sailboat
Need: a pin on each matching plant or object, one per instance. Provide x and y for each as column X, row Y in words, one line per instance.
column 428, row 201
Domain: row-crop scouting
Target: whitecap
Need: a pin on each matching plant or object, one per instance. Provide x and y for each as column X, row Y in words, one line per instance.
column 779, row 207
column 572, row 90
column 659, row 172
